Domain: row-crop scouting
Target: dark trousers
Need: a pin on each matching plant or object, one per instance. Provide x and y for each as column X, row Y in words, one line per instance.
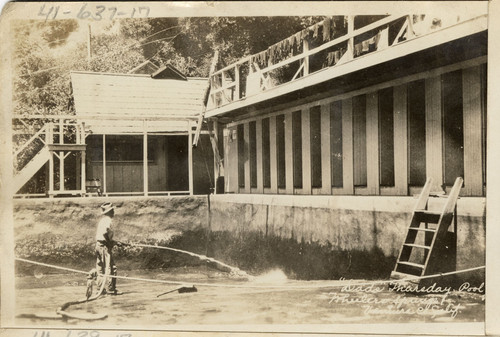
column 105, row 265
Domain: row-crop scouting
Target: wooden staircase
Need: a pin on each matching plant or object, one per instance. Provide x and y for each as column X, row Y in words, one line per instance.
column 427, row 238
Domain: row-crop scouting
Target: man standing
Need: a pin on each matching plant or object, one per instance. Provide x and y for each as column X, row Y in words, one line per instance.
column 104, row 245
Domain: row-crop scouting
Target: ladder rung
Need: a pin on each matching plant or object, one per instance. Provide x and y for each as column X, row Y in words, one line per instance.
column 397, row 275
column 411, row 264
column 416, row 246
column 423, row 229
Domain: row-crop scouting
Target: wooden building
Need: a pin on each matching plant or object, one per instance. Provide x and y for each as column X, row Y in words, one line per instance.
column 134, row 136
column 358, row 105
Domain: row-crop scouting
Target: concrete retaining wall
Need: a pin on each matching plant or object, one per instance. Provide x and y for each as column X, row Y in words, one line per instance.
column 249, row 231
column 347, row 222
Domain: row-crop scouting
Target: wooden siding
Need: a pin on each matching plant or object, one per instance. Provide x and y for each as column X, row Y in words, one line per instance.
column 359, row 120
column 433, row 131
column 400, row 140
column 473, row 153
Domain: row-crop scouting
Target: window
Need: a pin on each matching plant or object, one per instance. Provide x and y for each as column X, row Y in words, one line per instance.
column 124, row 148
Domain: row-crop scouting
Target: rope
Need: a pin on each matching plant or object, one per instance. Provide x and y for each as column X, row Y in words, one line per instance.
column 284, row 287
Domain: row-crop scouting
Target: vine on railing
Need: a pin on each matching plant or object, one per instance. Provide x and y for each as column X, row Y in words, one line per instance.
column 327, row 44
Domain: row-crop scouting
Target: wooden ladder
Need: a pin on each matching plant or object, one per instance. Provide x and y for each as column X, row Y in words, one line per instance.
column 420, row 259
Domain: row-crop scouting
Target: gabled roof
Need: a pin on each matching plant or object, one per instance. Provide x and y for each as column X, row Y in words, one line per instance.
column 133, row 97
column 168, row 72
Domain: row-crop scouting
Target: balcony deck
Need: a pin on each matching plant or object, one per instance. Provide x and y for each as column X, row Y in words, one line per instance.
column 247, row 82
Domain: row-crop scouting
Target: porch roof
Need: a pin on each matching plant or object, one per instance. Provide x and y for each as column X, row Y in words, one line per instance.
column 118, row 103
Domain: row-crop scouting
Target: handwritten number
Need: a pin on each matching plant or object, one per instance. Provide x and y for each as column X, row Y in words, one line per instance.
column 94, row 334
column 113, row 9
column 145, row 9
column 133, row 13
column 98, row 15
column 83, row 14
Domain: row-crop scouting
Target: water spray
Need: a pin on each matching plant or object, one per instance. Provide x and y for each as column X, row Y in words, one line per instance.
column 232, row 270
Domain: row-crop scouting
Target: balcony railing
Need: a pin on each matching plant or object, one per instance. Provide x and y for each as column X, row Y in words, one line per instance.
column 321, row 46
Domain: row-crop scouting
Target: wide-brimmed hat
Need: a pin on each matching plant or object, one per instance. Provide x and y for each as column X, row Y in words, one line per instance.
column 107, row 207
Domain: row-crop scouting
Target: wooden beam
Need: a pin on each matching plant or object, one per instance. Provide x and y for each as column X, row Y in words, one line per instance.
column 372, row 145
column 347, row 147
column 288, row 154
column 473, row 158
column 401, row 140
column 145, row 174
column 273, row 154
column 260, row 163
column 433, row 132
column 326, row 156
column 306, row 152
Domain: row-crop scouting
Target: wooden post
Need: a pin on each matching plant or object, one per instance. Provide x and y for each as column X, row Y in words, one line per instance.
column 400, row 140
column 350, row 42
column 51, row 174
column 83, row 159
column 473, row 155
column 246, row 152
column 190, row 158
column 306, row 58
column 237, row 88
column 145, row 157
column 215, row 136
column 347, row 147
column 326, row 162
column 273, row 154
column 372, row 144
column 61, row 156
column 306, row 151
column 104, row 182
column 260, row 163
column 288, row 153
column 433, row 132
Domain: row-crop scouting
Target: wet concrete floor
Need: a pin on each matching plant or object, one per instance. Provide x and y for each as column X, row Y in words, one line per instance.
column 270, row 299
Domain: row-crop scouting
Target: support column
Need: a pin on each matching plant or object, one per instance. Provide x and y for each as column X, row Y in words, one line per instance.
column 473, row 153
column 372, row 145
column 190, row 159
column 326, row 157
column 104, row 182
column 273, row 154
column 246, row 155
column 288, row 154
column 51, row 174
column 61, row 156
column 433, row 132
column 145, row 176
column 260, row 164
column 401, row 140
column 306, row 151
